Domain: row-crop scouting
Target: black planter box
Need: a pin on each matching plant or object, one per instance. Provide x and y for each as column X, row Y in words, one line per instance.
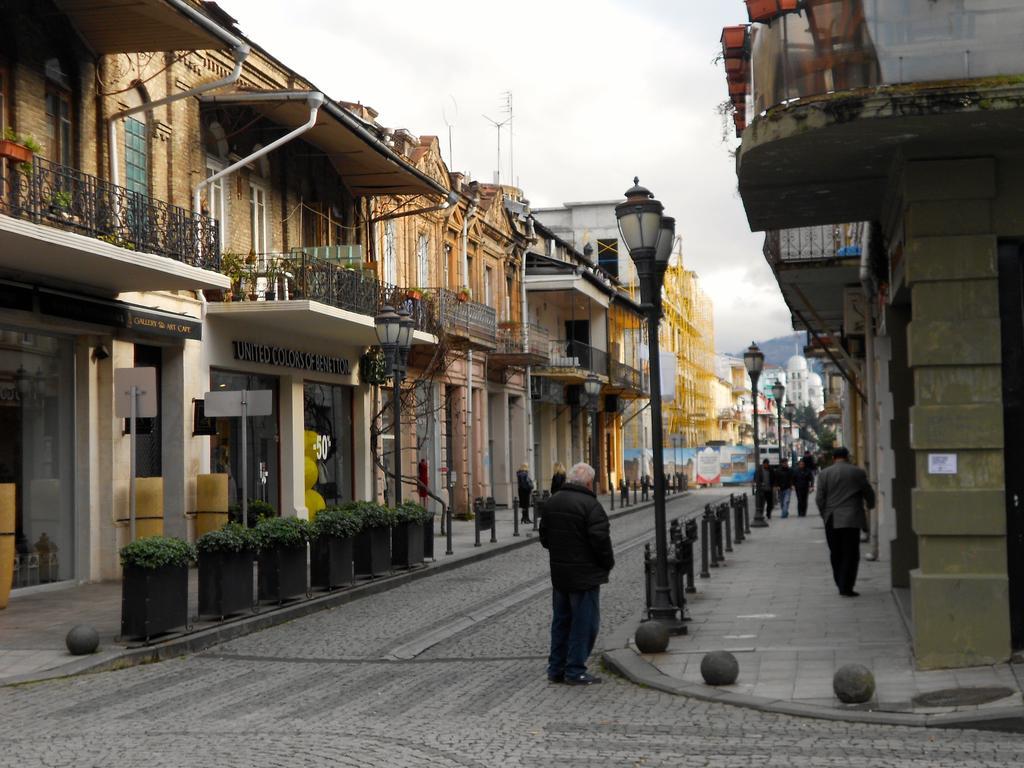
column 371, row 554
column 428, row 539
column 225, row 582
column 282, row 573
column 153, row 600
column 407, row 545
column 331, row 563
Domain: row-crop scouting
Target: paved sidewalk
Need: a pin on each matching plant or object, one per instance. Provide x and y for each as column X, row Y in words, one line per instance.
column 774, row 605
column 33, row 626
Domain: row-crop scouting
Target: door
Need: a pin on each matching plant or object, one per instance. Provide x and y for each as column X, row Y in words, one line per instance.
column 1011, row 306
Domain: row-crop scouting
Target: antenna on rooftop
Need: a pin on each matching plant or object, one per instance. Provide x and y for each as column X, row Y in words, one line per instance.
column 506, row 109
column 450, row 114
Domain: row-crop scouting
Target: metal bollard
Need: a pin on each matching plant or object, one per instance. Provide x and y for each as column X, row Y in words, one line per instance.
column 746, row 514
column 515, row 517
column 727, row 514
column 719, row 532
column 476, row 523
column 648, row 568
column 448, row 531
column 689, row 540
column 704, row 547
column 634, row 493
column 713, row 533
column 737, row 516
column 494, row 526
column 674, row 533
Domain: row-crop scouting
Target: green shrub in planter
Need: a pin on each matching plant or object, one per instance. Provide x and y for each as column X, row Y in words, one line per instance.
column 411, row 512
column 154, row 586
column 281, row 542
column 225, row 570
column 372, row 553
column 257, row 510
column 334, row 530
column 407, row 534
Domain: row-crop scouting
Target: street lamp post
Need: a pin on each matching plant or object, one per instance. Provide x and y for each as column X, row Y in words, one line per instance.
column 790, row 411
column 648, row 235
column 753, row 359
column 394, row 334
column 778, row 392
column 592, row 387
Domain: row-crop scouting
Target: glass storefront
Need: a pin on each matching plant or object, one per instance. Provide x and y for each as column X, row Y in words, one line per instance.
column 262, row 454
column 37, row 395
column 328, row 414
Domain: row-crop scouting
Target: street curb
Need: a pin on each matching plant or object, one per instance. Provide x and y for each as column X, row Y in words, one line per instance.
column 626, row 663
column 222, row 633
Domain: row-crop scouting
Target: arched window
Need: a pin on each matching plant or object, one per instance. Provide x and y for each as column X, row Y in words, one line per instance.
column 136, row 148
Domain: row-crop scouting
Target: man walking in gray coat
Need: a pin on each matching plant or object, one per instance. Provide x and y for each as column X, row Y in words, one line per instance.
column 843, row 490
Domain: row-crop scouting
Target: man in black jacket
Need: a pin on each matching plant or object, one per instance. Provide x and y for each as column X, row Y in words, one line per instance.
column 575, row 531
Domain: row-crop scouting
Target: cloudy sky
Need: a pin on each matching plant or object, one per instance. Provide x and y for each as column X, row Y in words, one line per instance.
column 602, row 90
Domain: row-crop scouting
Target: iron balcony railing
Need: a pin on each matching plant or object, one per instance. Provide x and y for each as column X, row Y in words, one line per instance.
column 523, row 339
column 463, row 318
column 806, row 244
column 298, row 275
column 547, row 390
column 66, row 198
column 575, row 355
column 625, row 376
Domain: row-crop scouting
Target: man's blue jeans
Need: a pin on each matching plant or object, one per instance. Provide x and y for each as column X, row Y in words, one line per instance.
column 576, row 617
column 784, row 494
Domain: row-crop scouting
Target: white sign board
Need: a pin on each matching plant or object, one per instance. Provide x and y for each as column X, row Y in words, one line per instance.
column 144, row 382
column 228, row 402
column 941, row 463
column 709, row 467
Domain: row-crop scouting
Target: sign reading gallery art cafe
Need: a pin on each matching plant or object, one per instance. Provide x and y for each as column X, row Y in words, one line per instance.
column 266, row 354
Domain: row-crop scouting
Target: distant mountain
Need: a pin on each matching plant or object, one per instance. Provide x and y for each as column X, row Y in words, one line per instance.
column 777, row 351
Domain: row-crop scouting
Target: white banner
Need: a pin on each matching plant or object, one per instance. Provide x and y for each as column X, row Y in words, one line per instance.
column 668, row 376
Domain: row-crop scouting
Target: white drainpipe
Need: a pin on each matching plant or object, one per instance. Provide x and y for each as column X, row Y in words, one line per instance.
column 313, row 100
column 241, row 52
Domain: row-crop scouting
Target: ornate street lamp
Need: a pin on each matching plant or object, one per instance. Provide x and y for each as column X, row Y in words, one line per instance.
column 778, row 392
column 649, row 236
column 790, row 411
column 394, row 334
column 753, row 359
column 592, row 387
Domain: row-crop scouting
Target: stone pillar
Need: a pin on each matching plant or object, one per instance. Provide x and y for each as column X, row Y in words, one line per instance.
column 960, row 589
column 903, row 545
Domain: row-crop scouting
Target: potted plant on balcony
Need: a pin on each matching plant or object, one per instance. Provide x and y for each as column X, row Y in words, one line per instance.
column 407, row 534
column 154, row 586
column 225, row 570
column 464, row 293
column 19, row 148
column 372, row 553
column 334, row 531
column 415, row 294
column 282, row 557
column 233, row 267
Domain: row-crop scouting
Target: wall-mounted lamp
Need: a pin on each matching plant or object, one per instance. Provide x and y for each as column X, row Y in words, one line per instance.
column 101, row 352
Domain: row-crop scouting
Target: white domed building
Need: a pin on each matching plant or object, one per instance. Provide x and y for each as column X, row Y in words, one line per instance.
column 815, row 392
column 797, row 374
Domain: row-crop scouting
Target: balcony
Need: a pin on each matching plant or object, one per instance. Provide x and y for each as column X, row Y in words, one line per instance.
column 573, row 361
column 466, row 323
column 546, row 390
column 850, row 88
column 809, row 244
column 626, row 381
column 520, row 345
column 72, row 226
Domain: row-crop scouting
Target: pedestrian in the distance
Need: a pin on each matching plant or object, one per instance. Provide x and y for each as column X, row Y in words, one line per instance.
column 575, row 532
column 645, row 483
column 557, row 478
column 767, row 481
column 784, row 482
column 842, row 492
column 808, row 460
column 623, row 492
column 803, row 484
column 525, row 489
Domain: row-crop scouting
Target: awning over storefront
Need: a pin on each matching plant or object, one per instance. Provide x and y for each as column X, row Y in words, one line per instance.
column 365, row 163
column 71, row 259
column 129, row 26
column 309, row 319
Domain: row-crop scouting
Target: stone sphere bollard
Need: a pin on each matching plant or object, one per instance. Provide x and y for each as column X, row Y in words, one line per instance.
column 719, row 668
column 651, row 637
column 853, row 684
column 82, row 639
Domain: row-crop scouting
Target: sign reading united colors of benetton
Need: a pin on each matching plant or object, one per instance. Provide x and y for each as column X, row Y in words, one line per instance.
column 266, row 354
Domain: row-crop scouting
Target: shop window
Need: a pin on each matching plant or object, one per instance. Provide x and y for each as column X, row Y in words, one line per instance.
column 328, row 417
column 261, row 454
column 37, row 435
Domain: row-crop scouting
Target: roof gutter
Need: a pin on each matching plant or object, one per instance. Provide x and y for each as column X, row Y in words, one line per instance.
column 314, row 100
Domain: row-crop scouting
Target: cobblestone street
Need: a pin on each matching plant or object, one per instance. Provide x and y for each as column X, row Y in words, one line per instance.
column 428, row 675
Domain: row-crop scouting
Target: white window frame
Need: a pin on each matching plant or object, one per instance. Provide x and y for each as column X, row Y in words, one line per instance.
column 390, row 254
column 217, row 201
column 423, row 260
column 258, row 218
column 488, row 289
